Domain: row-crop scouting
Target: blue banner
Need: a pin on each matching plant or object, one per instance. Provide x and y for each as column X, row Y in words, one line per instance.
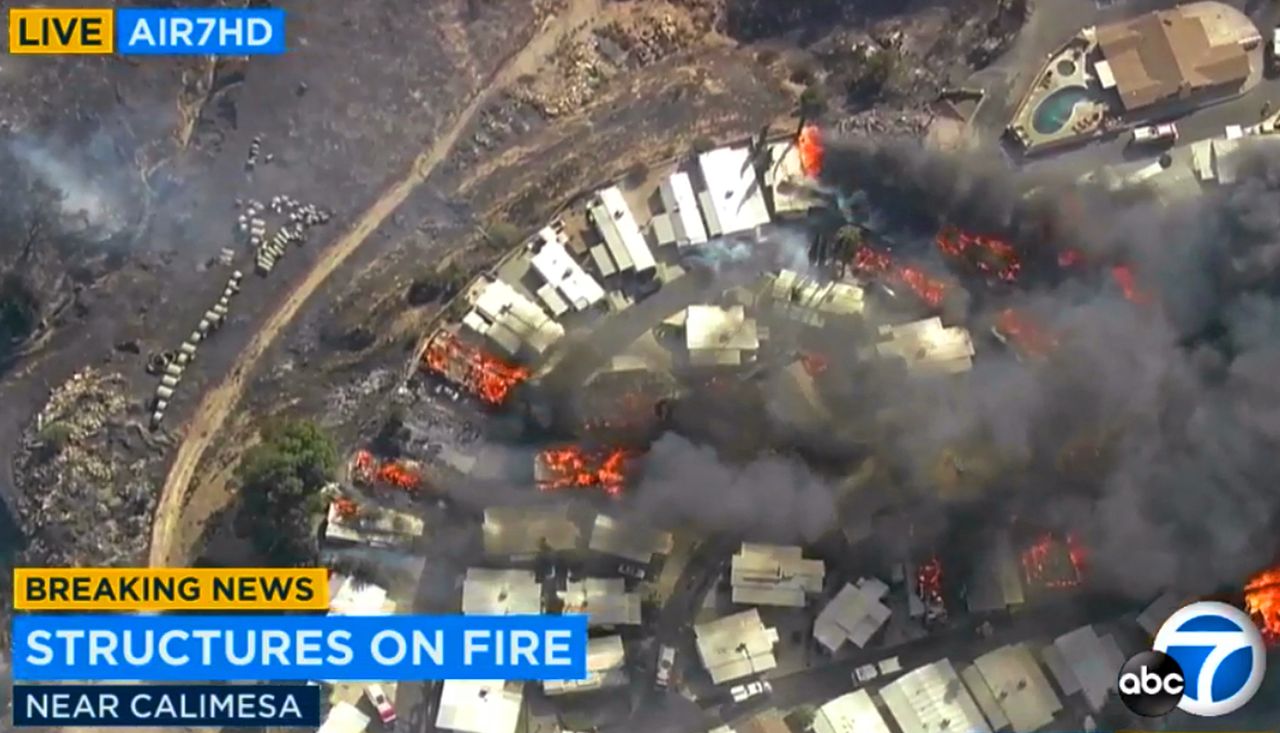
column 225, row 32
column 163, row 706
column 253, row 648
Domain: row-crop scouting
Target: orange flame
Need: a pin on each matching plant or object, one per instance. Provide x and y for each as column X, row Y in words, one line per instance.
column 929, row 581
column 572, row 467
column 346, row 508
column 1025, row 335
column 1051, row 562
column 990, row 255
column 809, row 145
column 870, row 262
column 1262, row 601
column 482, row 375
column 399, row 474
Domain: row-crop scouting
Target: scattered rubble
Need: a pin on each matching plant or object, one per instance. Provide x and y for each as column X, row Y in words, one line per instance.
column 86, row 498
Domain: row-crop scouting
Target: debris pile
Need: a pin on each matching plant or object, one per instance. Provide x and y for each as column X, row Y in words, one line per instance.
column 172, row 364
column 82, row 473
column 299, row 218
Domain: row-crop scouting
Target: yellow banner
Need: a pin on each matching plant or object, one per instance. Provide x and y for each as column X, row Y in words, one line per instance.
column 171, row 589
column 62, row 30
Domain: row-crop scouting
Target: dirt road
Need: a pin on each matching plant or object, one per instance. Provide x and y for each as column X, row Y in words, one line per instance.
column 220, row 401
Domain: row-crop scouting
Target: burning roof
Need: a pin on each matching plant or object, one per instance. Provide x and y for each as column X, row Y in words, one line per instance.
column 369, row 470
column 481, row 374
column 573, row 467
column 1262, row 601
column 1054, row 562
column 992, row 256
column 875, row 263
column 1023, row 334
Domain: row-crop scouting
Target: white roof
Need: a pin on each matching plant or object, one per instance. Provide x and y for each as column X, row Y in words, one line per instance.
column 486, row 591
column 628, row 539
column 681, row 203
column 931, row 699
column 1019, row 687
column 606, row 659
column 349, row 597
column 565, row 275
column 712, row 327
column 1106, row 78
column 733, row 190
column 855, row 615
column 621, row 233
column 928, row 347
column 373, row 525
column 605, row 600
column 853, row 712
column 774, row 575
column 1091, row 661
column 736, row 646
column 480, row 706
column 344, row 718
column 805, row 299
column 505, row 316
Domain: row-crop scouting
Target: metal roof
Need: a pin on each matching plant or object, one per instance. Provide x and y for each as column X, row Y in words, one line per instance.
column 854, row 615
column 681, row 204
column 486, row 591
column 522, row 530
column 621, row 232
column 605, row 601
column 852, row 712
column 563, row 273
column 628, row 539
column 736, row 646
column 733, row 189
column 711, row 327
column 1092, row 661
column 931, row 699
column 792, row 189
column 480, row 706
column 1019, row 687
column 929, row 348
column 774, row 575
column 606, row 662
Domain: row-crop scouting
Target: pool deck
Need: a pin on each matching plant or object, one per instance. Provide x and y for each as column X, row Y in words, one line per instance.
column 1087, row 119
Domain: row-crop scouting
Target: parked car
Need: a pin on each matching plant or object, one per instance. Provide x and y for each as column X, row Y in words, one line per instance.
column 866, row 673
column 750, row 690
column 378, row 698
column 890, row 665
column 666, row 662
column 1166, row 133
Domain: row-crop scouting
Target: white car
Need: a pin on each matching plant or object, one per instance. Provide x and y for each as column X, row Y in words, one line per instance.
column 378, row 698
column 890, row 665
column 750, row 690
column 666, row 660
column 1165, row 133
column 866, row 673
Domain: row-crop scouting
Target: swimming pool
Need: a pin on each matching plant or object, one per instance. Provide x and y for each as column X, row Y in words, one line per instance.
column 1055, row 111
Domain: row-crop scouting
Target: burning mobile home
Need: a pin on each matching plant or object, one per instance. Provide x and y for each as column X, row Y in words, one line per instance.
column 368, row 470
column 486, row 377
column 928, row 347
column 1053, row 562
column 1262, row 601
column 573, row 467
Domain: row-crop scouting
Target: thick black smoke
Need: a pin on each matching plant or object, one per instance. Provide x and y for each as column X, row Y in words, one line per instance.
column 1152, row 431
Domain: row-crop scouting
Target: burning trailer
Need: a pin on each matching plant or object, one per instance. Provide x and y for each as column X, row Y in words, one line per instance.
column 1054, row 562
column 878, row 264
column 481, row 374
column 925, row 599
column 574, row 467
column 368, row 470
column 1262, row 601
column 1026, row 337
column 990, row 256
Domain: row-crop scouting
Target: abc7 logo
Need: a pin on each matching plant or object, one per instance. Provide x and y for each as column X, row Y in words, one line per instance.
column 1151, row 684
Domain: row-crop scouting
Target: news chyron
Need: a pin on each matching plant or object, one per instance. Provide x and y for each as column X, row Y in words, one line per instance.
column 147, row 32
column 79, row 630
